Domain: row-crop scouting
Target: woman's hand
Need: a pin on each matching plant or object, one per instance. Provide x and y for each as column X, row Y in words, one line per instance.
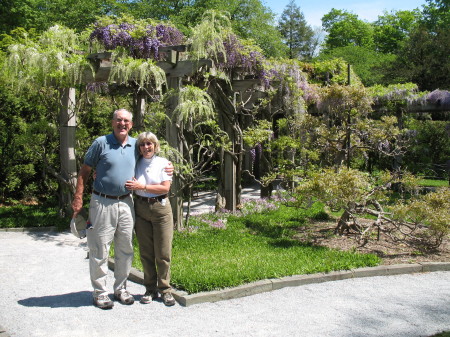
column 134, row 185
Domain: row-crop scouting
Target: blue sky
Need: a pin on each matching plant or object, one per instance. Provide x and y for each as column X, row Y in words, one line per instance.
column 365, row 9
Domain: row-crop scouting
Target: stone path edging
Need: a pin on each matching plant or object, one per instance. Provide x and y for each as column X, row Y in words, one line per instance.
column 29, row 229
column 184, row 299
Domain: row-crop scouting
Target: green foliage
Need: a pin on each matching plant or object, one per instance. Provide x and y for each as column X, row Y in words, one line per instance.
column 431, row 210
column 430, row 148
column 344, row 28
column 258, row 134
column 332, row 71
column 42, row 14
column 423, row 221
column 23, row 158
column 336, row 189
column 391, row 30
column 251, row 20
column 424, row 59
column 365, row 62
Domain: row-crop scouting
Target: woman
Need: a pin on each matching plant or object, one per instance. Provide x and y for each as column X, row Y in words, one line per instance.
column 154, row 220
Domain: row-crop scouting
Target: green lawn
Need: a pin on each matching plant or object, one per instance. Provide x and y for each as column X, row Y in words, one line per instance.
column 251, row 248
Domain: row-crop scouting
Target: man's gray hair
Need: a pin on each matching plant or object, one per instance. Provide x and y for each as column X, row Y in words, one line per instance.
column 122, row 110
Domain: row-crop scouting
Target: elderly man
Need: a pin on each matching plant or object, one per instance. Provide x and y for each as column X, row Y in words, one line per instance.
column 111, row 210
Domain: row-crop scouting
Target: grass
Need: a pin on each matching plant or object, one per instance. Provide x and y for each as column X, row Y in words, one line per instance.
column 28, row 216
column 256, row 246
column 433, row 183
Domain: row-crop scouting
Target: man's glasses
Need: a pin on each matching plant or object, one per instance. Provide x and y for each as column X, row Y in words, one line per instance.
column 125, row 121
column 146, row 143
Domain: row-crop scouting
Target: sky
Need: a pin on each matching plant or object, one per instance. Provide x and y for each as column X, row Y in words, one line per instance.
column 365, row 9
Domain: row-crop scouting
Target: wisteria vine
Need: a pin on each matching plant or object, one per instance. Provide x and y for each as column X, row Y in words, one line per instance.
column 138, row 44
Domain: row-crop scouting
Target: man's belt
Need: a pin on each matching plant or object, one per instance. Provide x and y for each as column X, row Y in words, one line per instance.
column 116, row 197
column 152, row 200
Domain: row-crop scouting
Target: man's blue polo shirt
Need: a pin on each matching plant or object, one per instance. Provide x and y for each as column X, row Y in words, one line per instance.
column 114, row 164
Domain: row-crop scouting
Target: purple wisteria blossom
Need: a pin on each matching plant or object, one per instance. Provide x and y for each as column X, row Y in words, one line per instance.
column 146, row 46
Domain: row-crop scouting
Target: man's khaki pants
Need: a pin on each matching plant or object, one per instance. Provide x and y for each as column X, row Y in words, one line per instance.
column 111, row 220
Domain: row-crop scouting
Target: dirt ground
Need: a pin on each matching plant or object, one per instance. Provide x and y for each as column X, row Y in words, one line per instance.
column 322, row 233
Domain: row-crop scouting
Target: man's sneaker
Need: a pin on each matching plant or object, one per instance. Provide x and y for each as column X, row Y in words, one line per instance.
column 124, row 297
column 168, row 299
column 103, row 302
column 148, row 297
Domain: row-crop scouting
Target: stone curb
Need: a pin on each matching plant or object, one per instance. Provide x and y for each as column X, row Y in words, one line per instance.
column 30, row 229
column 262, row 286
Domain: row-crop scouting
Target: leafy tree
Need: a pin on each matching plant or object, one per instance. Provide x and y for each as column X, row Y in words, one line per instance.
column 391, row 30
column 344, row 28
column 251, row 20
column 423, row 57
column 296, row 33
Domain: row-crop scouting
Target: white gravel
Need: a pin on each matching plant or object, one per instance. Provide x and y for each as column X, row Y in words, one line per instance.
column 45, row 291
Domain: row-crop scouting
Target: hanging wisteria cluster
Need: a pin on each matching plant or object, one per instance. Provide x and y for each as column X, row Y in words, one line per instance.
column 240, row 56
column 139, row 43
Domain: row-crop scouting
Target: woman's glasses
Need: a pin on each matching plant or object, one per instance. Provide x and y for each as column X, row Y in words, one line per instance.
column 146, row 143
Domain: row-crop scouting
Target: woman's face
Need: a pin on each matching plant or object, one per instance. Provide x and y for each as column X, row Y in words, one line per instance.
column 147, row 149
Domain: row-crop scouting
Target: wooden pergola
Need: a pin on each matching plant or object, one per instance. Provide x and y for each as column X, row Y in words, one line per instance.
column 176, row 70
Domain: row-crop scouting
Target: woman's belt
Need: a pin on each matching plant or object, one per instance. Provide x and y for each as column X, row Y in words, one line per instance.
column 116, row 197
column 152, row 200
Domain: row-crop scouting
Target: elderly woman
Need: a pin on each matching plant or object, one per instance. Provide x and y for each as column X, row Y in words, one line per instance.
column 154, row 220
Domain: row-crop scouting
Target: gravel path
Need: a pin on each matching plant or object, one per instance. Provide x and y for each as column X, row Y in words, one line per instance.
column 45, row 291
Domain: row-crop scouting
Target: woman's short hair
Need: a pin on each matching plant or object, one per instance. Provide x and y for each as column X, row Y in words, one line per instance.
column 149, row 137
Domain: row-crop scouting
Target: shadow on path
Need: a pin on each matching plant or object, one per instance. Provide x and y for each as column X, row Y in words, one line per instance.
column 71, row 300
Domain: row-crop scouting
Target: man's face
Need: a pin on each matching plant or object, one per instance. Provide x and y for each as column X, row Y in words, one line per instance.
column 122, row 124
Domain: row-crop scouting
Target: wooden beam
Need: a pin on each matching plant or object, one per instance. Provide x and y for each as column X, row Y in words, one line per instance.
column 243, row 85
column 103, row 68
column 183, row 68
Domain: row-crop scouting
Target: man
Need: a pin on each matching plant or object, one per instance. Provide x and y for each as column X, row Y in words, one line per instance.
column 111, row 210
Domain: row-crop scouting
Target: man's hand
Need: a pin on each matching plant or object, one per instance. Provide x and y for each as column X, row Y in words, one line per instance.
column 77, row 205
column 169, row 168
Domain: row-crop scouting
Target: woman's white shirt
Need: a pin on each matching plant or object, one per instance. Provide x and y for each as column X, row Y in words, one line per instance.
column 151, row 171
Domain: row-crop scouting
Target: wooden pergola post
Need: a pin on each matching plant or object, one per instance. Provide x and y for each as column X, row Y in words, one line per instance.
column 139, row 105
column 68, row 170
column 174, row 83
